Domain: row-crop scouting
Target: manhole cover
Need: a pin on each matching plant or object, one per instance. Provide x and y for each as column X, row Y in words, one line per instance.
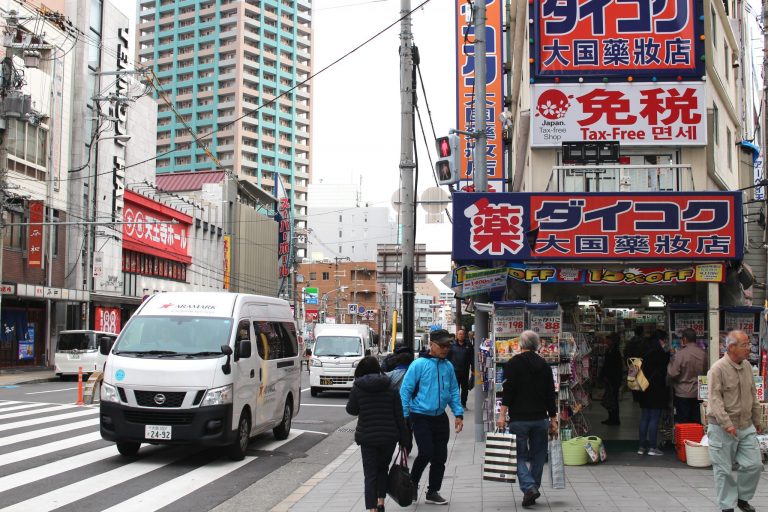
column 309, row 422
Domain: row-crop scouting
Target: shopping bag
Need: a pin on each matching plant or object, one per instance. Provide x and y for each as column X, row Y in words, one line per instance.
column 636, row 380
column 500, row 460
column 400, row 486
column 556, row 463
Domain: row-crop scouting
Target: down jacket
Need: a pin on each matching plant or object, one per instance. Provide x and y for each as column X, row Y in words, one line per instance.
column 378, row 410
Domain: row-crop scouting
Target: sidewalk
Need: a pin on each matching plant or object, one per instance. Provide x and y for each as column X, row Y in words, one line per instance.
column 15, row 377
column 660, row 484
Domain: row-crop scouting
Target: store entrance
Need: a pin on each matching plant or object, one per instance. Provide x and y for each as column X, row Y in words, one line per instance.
column 599, row 316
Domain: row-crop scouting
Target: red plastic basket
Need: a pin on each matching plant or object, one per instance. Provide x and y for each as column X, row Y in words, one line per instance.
column 686, row 431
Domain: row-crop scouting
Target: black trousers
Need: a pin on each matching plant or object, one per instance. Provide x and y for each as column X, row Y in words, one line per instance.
column 463, row 380
column 432, row 434
column 687, row 410
column 376, row 460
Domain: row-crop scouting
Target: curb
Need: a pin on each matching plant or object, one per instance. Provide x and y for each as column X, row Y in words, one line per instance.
column 317, row 478
column 33, row 381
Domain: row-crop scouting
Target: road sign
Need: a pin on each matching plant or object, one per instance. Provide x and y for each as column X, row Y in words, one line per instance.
column 352, row 308
column 361, row 309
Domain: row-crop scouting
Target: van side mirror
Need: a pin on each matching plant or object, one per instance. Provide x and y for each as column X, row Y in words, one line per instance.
column 244, row 349
column 226, row 367
column 105, row 345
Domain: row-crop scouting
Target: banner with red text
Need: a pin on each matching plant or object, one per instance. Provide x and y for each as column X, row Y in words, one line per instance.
column 107, row 320
column 634, row 114
column 35, row 234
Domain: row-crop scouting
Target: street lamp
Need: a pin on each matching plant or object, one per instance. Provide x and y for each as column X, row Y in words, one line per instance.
column 324, row 300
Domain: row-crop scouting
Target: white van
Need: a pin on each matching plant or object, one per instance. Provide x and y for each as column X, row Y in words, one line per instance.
column 337, row 350
column 183, row 372
column 79, row 349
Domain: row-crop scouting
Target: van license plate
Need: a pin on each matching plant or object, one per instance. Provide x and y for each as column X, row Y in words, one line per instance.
column 326, row 381
column 74, row 356
column 159, row 432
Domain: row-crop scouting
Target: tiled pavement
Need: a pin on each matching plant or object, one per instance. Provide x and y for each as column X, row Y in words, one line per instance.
column 605, row 487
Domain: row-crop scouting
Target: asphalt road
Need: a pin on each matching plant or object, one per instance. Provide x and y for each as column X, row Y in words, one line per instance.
column 51, row 457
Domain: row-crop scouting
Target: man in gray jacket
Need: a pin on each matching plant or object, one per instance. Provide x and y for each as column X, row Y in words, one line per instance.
column 683, row 370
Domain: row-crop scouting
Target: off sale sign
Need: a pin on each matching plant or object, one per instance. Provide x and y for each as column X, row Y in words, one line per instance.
column 634, row 114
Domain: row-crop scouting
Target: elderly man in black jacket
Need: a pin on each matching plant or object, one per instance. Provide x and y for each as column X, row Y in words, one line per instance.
column 462, row 356
column 529, row 398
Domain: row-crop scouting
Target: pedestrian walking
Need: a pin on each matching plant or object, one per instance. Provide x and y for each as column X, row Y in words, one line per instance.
column 530, row 401
column 656, row 398
column 684, row 369
column 400, row 363
column 380, row 426
column 734, row 421
column 429, row 386
column 462, row 356
column 611, row 374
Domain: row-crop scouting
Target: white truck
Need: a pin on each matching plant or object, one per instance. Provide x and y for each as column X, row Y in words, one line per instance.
column 337, row 350
column 210, row 369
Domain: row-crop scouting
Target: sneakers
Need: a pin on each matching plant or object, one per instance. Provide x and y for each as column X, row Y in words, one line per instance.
column 744, row 506
column 654, row 451
column 530, row 497
column 435, row 498
column 641, row 451
column 415, row 493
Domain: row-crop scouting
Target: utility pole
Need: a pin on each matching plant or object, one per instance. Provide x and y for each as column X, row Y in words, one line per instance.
column 337, row 259
column 480, row 180
column 407, row 166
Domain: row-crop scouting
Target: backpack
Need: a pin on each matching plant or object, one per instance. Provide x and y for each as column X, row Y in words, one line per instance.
column 636, row 380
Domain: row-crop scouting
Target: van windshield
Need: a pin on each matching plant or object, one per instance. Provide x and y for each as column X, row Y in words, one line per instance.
column 76, row 341
column 338, row 346
column 177, row 335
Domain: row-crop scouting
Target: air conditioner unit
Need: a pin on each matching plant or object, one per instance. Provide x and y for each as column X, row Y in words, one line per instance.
column 13, row 104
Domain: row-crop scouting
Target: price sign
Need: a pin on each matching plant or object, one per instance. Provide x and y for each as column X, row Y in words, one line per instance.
column 545, row 322
column 741, row 321
column 693, row 321
column 509, row 322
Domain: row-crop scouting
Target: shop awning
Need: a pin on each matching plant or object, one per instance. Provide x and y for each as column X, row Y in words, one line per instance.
column 114, row 299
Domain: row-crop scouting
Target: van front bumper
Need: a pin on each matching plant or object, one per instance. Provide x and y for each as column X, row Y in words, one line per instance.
column 206, row 426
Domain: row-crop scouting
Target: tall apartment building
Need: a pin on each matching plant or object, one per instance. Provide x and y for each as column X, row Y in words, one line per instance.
column 219, row 60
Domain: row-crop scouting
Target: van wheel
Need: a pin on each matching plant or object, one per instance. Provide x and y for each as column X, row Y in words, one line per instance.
column 284, row 428
column 128, row 448
column 314, row 391
column 240, row 446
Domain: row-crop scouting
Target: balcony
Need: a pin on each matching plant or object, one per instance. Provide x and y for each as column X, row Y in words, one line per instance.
column 621, row 178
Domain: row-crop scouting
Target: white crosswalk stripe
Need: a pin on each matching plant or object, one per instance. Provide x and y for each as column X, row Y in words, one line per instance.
column 100, row 463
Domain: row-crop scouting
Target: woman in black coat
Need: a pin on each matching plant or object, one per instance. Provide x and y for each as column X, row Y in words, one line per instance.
column 380, row 426
column 656, row 397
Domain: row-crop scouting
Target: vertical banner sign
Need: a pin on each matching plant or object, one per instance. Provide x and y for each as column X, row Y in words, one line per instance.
column 284, row 232
column 465, row 88
column 35, row 234
column 227, row 261
column 107, row 320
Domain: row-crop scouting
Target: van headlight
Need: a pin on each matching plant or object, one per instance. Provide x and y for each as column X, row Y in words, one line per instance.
column 218, row 396
column 316, row 362
column 354, row 365
column 109, row 393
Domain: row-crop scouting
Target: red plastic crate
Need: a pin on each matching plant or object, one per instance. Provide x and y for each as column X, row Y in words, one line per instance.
column 686, row 431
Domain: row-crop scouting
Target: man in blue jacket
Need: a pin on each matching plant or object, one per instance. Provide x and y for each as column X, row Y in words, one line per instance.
column 428, row 387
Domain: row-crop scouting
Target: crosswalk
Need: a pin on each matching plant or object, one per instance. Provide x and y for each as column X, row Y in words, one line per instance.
column 52, row 456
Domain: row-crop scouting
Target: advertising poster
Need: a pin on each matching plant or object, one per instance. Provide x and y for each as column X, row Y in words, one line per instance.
column 107, row 319
column 633, row 114
column 620, row 226
column 27, row 345
column 465, row 87
column 150, row 229
column 311, row 296
column 509, row 322
column 227, row 239
column 483, row 281
column 616, row 38
column 35, row 234
column 695, row 321
column 544, row 323
column 703, row 388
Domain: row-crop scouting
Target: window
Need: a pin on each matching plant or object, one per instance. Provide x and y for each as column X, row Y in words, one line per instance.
column 339, row 233
column 713, row 15
column 326, row 276
column 268, row 341
column 340, row 218
column 725, row 54
column 730, row 151
column 715, row 123
column 313, row 276
column 14, row 236
column 243, row 333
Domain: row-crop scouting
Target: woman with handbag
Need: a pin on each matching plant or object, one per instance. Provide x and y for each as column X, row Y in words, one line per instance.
column 380, row 427
column 656, row 397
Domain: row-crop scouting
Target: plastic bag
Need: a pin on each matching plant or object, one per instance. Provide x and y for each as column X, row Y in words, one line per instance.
column 556, row 464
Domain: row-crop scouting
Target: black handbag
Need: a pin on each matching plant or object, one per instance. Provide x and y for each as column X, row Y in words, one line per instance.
column 400, row 486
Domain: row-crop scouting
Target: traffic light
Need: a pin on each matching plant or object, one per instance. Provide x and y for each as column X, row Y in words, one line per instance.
column 448, row 161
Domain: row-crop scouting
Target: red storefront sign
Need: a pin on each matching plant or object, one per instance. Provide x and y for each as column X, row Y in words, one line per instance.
column 35, row 234
column 620, row 226
column 150, row 228
column 107, row 320
column 284, row 237
column 311, row 315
